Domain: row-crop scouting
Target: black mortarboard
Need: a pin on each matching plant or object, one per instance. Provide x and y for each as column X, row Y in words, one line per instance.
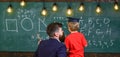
column 71, row 19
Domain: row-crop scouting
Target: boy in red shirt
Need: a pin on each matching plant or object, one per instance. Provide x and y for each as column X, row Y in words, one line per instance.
column 75, row 41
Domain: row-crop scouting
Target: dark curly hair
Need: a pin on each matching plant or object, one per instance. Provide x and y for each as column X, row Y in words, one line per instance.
column 52, row 28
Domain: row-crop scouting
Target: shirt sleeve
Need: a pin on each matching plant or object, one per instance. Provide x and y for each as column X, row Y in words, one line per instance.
column 62, row 51
column 36, row 54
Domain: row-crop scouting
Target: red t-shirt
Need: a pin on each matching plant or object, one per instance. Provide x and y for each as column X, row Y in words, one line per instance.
column 75, row 42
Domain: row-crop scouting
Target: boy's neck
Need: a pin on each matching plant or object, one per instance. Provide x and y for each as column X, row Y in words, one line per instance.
column 73, row 31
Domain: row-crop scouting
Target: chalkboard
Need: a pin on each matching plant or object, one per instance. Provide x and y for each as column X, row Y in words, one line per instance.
column 20, row 30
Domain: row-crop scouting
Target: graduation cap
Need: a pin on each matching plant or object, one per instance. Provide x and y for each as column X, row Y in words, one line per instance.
column 71, row 19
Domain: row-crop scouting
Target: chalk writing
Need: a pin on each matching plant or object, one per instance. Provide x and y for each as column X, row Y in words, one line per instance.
column 101, row 44
column 100, row 23
column 96, row 28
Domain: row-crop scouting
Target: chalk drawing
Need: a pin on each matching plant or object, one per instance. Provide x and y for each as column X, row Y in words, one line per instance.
column 11, row 27
column 108, row 31
column 82, row 29
column 106, row 20
column 81, row 21
column 32, row 37
column 89, row 43
column 101, row 44
column 31, row 22
column 62, row 19
column 99, row 22
column 95, row 43
column 89, row 31
column 90, row 20
column 99, row 31
column 111, row 42
column 40, row 23
column 38, row 37
column 23, row 13
column 58, row 18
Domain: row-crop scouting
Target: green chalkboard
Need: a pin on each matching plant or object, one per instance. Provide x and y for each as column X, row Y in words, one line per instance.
column 20, row 30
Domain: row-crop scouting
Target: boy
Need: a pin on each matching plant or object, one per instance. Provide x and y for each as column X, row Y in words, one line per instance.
column 75, row 41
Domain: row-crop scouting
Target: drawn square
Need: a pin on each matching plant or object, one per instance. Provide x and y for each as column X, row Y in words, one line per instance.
column 11, row 25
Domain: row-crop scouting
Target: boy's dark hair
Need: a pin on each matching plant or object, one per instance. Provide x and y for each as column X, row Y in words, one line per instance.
column 52, row 28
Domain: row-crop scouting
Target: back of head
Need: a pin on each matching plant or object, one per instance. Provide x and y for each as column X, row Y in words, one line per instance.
column 73, row 23
column 73, row 26
column 52, row 28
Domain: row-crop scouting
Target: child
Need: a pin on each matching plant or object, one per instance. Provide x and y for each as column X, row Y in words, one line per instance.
column 75, row 41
